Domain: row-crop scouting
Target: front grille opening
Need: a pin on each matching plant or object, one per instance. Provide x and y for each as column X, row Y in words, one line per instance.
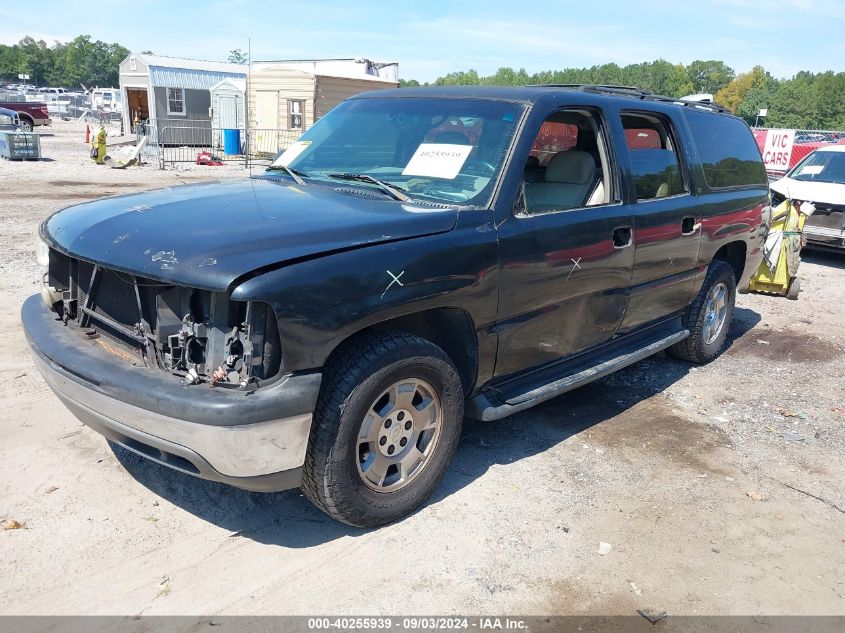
column 115, row 297
column 200, row 336
column 122, row 345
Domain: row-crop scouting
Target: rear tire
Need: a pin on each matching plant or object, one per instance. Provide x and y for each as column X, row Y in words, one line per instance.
column 27, row 125
column 386, row 426
column 709, row 317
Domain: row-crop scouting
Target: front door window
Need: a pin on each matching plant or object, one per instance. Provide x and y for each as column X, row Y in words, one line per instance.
column 567, row 166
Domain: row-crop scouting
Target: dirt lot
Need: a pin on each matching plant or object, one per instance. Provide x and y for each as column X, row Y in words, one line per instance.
column 717, row 489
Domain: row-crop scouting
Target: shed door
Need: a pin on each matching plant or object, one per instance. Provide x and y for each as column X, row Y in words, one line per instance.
column 228, row 117
column 267, row 110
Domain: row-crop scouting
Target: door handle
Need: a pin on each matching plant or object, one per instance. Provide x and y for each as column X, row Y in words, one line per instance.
column 689, row 225
column 622, row 236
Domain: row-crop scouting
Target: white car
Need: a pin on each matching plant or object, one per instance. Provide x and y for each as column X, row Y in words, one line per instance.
column 820, row 179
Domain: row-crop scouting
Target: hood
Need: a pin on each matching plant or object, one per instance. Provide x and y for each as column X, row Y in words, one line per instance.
column 208, row 235
column 806, row 191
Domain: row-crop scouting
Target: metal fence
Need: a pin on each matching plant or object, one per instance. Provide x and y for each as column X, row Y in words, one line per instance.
column 170, row 142
column 148, row 129
column 96, row 117
column 264, row 145
column 805, row 142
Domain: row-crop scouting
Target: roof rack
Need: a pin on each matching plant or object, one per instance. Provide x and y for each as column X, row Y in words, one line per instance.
column 638, row 93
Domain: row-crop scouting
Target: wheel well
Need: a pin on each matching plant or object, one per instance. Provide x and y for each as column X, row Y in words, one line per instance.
column 733, row 254
column 451, row 329
column 24, row 115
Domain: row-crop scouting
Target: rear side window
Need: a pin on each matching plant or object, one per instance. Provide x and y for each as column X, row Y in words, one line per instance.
column 655, row 164
column 727, row 149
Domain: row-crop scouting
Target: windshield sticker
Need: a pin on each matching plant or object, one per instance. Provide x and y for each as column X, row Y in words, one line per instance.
column 812, row 170
column 438, row 160
column 290, row 153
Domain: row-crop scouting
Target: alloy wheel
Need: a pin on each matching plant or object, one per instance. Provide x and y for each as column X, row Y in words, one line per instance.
column 715, row 313
column 398, row 435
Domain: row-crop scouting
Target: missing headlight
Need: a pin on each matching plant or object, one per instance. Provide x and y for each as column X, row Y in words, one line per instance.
column 55, row 278
column 264, row 350
column 227, row 343
column 42, row 251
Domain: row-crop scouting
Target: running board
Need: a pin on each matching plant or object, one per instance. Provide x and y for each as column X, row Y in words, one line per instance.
column 486, row 406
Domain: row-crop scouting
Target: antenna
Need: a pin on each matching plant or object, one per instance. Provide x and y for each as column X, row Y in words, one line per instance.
column 246, row 102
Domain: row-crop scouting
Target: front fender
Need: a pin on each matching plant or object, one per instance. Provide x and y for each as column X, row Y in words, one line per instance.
column 322, row 301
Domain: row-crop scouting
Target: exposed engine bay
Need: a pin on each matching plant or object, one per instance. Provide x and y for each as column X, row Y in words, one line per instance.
column 198, row 335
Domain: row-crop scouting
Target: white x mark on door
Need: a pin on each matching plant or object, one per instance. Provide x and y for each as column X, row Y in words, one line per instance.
column 394, row 280
column 576, row 265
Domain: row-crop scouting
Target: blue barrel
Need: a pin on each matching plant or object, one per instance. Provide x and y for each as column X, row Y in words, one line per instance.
column 232, row 142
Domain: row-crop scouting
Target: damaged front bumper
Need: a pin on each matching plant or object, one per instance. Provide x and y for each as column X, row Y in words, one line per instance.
column 253, row 440
column 824, row 236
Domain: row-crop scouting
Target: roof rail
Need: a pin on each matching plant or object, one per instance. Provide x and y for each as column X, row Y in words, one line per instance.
column 607, row 88
column 638, row 93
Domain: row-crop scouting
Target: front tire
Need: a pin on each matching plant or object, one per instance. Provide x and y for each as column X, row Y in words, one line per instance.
column 385, row 429
column 709, row 317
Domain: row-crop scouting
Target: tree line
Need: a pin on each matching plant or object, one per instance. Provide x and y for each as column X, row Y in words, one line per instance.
column 805, row 101
column 66, row 64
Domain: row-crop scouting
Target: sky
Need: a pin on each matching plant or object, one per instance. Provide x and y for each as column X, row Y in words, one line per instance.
column 433, row 37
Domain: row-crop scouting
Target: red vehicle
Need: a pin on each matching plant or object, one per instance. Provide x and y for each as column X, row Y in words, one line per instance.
column 31, row 113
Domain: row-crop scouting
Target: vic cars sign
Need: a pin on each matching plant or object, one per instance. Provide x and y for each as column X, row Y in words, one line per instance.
column 778, row 149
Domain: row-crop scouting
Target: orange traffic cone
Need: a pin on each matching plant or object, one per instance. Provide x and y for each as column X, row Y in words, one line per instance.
column 87, row 134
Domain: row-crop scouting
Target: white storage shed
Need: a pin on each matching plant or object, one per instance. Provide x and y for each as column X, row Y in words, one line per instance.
column 227, row 104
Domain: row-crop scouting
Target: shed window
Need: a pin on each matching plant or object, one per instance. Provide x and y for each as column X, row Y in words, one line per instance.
column 175, row 101
column 295, row 110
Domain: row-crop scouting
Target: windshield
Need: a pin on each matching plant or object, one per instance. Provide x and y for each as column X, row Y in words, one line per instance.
column 432, row 149
column 821, row 167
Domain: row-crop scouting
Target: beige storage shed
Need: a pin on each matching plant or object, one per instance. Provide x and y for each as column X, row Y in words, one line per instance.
column 290, row 100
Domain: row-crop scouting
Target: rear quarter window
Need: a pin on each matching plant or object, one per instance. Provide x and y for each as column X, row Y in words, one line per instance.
column 727, row 150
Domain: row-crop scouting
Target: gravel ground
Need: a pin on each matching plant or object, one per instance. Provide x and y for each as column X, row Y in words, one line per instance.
column 712, row 490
